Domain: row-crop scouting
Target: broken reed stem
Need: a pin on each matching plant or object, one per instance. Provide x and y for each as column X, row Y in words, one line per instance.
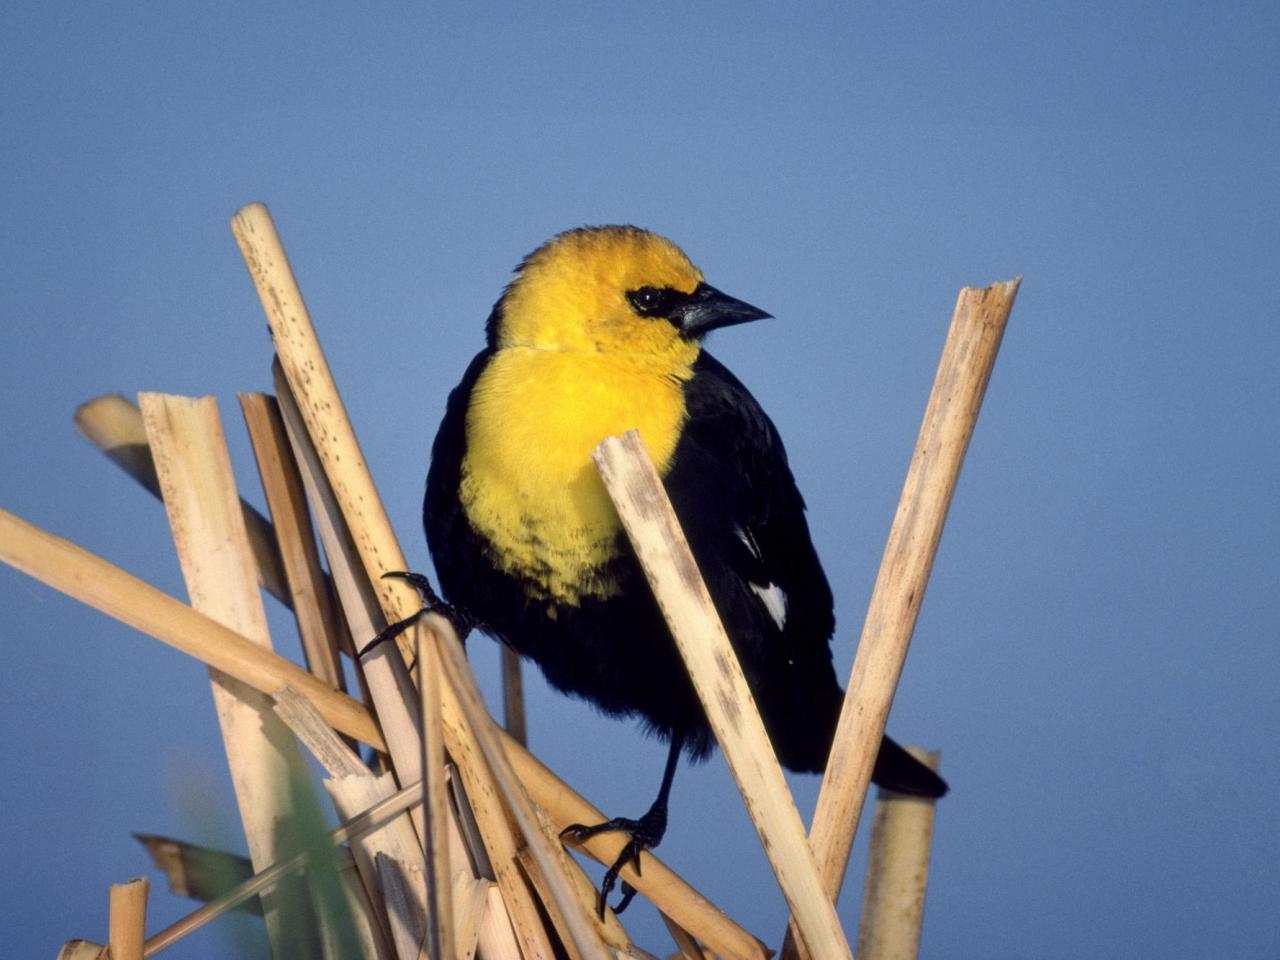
column 319, row 622
column 454, row 663
column 654, row 531
column 334, row 755
column 353, row 788
column 496, row 827
column 355, row 504
column 318, row 401
column 389, row 688
column 88, row 578
column 400, row 888
column 91, row 580
column 609, row 928
column 127, row 920
column 83, row 950
column 382, row 671
column 440, row 941
column 513, row 696
column 356, row 601
column 897, row 872
column 968, row 357
column 471, row 913
column 376, row 816
column 659, row 884
column 113, row 424
column 323, row 412
column 194, row 468
column 963, row 372
column 686, row 946
column 200, row 873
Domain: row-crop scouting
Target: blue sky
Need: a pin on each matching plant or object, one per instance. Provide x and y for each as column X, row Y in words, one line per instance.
column 1096, row 656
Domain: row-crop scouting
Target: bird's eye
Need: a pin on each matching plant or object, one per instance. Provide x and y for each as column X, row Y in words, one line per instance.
column 651, row 302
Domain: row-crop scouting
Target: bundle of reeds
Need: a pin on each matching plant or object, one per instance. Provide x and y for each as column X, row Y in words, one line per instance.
column 448, row 845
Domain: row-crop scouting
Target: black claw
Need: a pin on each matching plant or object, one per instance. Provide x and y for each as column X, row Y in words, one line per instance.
column 462, row 622
column 610, row 878
column 645, row 834
column 630, row 854
column 580, row 832
column 419, row 582
column 577, row 832
column 628, row 894
column 393, row 631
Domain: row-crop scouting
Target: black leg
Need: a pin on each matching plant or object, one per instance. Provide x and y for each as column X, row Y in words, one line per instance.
column 646, row 833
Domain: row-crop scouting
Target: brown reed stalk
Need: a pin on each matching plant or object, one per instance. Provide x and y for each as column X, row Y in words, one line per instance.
column 897, row 872
column 654, row 531
column 964, row 369
column 105, row 587
column 370, row 819
column 200, row 873
column 353, row 787
column 113, row 424
column 513, row 718
column 127, row 919
column 307, row 371
column 324, row 415
column 440, row 940
column 585, row 938
column 388, row 682
column 82, row 950
column 686, row 947
column 319, row 623
column 194, row 469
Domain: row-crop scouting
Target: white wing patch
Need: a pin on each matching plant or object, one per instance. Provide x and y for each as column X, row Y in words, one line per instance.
column 749, row 542
column 772, row 596
column 774, row 600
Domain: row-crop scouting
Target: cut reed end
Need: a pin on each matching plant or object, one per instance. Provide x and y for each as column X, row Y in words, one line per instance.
column 127, row 920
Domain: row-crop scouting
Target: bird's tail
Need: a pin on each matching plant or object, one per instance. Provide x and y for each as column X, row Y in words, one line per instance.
column 804, row 725
column 900, row 772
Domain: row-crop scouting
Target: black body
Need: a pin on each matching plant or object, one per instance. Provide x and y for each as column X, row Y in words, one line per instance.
column 744, row 518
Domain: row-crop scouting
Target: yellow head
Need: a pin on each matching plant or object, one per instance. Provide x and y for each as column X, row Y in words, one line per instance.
column 597, row 334
column 613, row 290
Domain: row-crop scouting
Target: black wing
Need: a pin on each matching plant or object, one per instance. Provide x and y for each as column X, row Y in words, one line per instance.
column 736, row 497
column 743, row 514
column 456, row 550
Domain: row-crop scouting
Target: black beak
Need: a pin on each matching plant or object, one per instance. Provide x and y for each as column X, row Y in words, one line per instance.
column 707, row 309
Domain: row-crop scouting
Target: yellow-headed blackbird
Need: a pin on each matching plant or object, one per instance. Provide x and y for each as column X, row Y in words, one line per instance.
column 600, row 332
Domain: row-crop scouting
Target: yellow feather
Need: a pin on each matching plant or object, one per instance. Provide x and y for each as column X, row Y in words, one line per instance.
column 575, row 364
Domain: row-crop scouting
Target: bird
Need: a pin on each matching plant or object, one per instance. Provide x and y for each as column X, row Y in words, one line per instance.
column 601, row 330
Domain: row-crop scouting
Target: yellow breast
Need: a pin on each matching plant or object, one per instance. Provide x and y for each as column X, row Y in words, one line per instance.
column 528, row 483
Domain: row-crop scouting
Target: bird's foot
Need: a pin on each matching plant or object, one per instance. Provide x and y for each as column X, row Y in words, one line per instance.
column 461, row 621
column 645, row 834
